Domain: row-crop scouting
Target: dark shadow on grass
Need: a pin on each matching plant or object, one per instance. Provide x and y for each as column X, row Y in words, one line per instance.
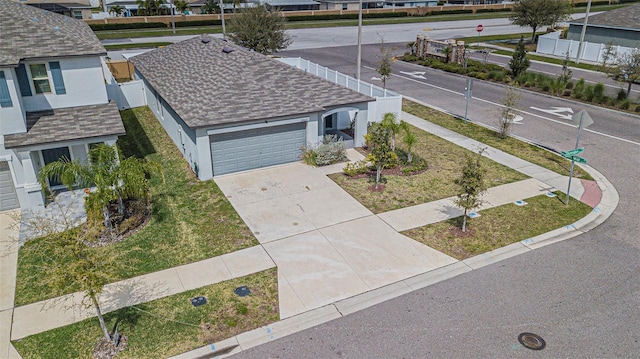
column 135, row 143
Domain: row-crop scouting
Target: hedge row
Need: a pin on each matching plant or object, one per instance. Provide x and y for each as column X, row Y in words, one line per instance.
column 375, row 15
column 452, row 12
column 593, row 3
column 492, row 10
column 198, row 23
column 133, row 25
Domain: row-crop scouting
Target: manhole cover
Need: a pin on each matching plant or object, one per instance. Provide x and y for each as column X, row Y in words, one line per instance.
column 198, row 301
column 242, row 291
column 531, row 341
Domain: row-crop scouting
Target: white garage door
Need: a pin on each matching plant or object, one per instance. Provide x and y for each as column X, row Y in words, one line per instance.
column 8, row 197
column 261, row 147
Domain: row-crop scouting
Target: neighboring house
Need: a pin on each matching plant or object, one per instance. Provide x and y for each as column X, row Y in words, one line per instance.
column 291, row 5
column 619, row 27
column 53, row 98
column 77, row 10
column 229, row 109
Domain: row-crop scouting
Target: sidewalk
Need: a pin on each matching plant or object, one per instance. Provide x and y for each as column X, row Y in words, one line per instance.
column 16, row 323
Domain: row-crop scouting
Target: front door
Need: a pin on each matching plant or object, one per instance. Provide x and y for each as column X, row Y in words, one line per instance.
column 52, row 155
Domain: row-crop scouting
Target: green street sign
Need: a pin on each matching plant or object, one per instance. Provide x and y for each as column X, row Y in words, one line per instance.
column 574, row 152
column 578, row 159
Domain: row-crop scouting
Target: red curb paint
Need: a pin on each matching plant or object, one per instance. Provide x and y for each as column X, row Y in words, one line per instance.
column 592, row 193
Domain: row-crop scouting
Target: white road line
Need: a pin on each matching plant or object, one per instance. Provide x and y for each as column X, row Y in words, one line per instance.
column 521, row 111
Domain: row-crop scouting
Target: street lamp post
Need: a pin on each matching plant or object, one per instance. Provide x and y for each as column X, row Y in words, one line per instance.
column 359, row 57
column 173, row 23
column 584, row 30
column 224, row 31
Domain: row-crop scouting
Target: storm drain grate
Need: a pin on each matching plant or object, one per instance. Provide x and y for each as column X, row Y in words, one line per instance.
column 242, row 291
column 531, row 341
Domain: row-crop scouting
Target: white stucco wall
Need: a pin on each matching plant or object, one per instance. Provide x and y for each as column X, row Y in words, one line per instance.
column 12, row 119
column 83, row 80
column 182, row 136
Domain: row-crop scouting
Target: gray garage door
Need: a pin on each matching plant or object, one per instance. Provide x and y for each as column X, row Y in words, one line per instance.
column 262, row 147
column 8, row 197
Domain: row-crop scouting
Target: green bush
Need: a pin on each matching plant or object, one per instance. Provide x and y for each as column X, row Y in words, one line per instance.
column 625, row 104
column 578, row 90
column 309, row 156
column 598, row 92
column 452, row 12
column 492, row 10
column 199, row 23
column 566, row 92
column 568, row 85
column 133, row 25
column 588, row 93
column 331, row 151
column 593, row 3
column 637, row 108
column 482, row 75
column 352, row 169
column 622, row 95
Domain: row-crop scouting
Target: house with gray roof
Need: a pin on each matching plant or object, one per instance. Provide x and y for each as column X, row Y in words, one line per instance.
column 619, row 27
column 53, row 98
column 229, row 109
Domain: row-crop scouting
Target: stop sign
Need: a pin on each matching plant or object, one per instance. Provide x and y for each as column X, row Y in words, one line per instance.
column 479, row 28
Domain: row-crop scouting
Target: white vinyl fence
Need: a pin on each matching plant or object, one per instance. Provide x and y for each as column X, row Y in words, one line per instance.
column 127, row 94
column 552, row 44
column 386, row 100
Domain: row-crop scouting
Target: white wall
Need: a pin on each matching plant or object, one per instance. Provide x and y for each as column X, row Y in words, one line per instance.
column 128, row 94
column 552, row 44
column 84, row 83
column 182, row 136
column 12, row 119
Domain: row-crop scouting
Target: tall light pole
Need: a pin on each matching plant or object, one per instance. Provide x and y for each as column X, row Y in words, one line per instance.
column 173, row 23
column 224, row 31
column 584, row 30
column 359, row 57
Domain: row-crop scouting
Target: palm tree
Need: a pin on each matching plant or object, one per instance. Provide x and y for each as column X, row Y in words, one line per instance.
column 117, row 10
column 390, row 122
column 181, row 6
column 114, row 180
column 409, row 139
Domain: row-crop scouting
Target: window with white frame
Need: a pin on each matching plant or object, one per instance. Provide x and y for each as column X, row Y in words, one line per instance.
column 77, row 14
column 40, row 78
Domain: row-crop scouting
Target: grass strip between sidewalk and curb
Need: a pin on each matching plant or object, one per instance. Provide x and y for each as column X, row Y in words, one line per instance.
column 534, row 154
column 445, row 160
column 170, row 325
column 500, row 226
column 191, row 220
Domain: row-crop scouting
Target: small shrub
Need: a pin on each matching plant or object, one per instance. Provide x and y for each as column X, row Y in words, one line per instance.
column 622, row 95
column 566, row 93
column 578, row 89
column 625, row 104
column 568, row 85
column 353, row 169
column 598, row 92
column 638, row 108
column 331, row 151
column 309, row 156
column 482, row 75
column 588, row 93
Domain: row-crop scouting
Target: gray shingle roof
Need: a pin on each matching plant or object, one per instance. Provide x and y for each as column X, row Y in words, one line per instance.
column 206, row 86
column 66, row 124
column 627, row 17
column 29, row 32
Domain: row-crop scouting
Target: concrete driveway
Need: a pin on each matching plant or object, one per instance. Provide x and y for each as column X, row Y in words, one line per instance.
column 327, row 246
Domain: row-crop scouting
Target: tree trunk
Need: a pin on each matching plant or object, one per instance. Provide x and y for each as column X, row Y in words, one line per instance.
column 120, row 205
column 464, row 221
column 393, row 141
column 378, row 172
column 409, row 156
column 107, row 218
column 533, row 35
column 103, row 326
column 628, row 90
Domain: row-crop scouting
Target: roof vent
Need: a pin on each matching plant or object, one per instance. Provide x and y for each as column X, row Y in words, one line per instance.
column 227, row 50
column 56, row 29
column 35, row 19
column 205, row 39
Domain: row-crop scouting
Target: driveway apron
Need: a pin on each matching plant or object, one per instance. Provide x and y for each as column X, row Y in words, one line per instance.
column 327, row 246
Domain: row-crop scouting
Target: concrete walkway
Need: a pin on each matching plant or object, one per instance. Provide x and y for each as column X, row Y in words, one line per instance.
column 9, row 233
column 328, row 248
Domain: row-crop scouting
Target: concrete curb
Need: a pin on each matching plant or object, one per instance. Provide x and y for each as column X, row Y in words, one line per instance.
column 280, row 329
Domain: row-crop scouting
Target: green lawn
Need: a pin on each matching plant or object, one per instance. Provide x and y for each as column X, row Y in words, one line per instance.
column 531, row 153
column 191, row 220
column 139, row 45
column 500, row 226
column 445, row 161
column 168, row 326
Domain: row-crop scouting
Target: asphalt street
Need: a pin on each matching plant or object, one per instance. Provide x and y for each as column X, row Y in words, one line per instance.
column 581, row 295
